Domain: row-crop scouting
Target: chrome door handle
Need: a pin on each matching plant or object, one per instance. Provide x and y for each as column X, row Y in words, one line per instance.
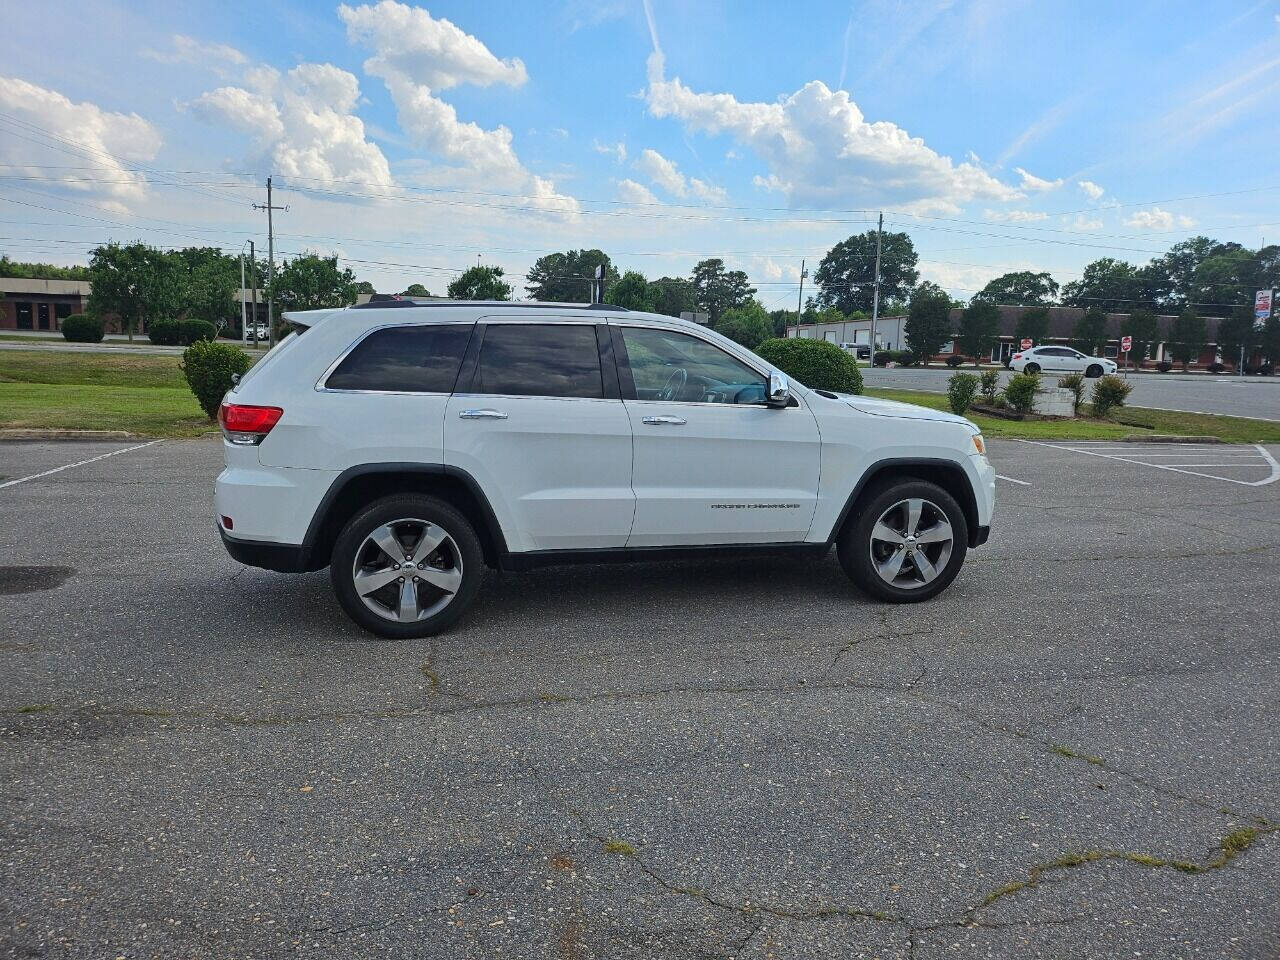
column 659, row 421
column 484, row 414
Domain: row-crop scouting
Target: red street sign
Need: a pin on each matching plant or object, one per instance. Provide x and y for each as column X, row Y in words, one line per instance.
column 1026, row 343
column 1126, row 344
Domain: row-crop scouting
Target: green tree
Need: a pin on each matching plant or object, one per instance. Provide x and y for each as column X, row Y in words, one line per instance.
column 1033, row 325
column 1187, row 337
column 673, row 296
column 1090, row 334
column 717, row 289
column 781, row 319
column 1143, row 326
column 364, row 286
column 1269, row 338
column 416, row 290
column 748, row 324
column 928, row 324
column 1107, row 284
column 480, row 283
column 1022, row 288
column 631, row 291
column 566, row 277
column 313, row 282
column 847, row 273
column 210, row 281
column 139, row 284
column 979, row 328
column 1237, row 332
column 40, row 271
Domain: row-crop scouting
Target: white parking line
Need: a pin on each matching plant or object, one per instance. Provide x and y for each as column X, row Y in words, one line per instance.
column 1267, row 459
column 78, row 463
column 1021, row 483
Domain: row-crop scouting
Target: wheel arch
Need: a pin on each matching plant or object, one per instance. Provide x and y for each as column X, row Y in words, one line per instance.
column 359, row 486
column 947, row 474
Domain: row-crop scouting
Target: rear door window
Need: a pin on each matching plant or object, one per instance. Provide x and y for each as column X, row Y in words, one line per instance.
column 410, row 359
column 540, row 360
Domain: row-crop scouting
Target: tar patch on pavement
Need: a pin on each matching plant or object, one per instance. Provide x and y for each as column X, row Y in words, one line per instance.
column 32, row 579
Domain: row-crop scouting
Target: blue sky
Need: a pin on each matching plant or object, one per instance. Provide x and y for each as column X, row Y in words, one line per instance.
column 410, row 139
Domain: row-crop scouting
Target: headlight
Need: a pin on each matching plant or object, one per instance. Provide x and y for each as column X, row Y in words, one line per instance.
column 979, row 445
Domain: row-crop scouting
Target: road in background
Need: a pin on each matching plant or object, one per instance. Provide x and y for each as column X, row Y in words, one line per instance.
column 740, row 758
column 1195, row 393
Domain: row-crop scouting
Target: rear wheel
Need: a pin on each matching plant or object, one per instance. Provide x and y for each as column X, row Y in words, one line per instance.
column 406, row 566
column 907, row 542
column 1031, row 368
column 1094, row 371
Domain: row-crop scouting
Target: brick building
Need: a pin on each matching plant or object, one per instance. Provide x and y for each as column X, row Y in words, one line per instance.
column 40, row 304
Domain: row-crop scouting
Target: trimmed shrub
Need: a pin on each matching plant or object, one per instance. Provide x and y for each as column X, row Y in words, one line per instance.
column 1164, row 366
column 191, row 330
column 1109, row 392
column 82, row 328
column 1020, row 392
column 990, row 384
column 1268, row 369
column 882, row 357
column 954, row 360
column 209, row 367
column 816, row 364
column 1075, row 383
column 907, row 359
column 961, row 389
column 163, row 332
column 1216, row 367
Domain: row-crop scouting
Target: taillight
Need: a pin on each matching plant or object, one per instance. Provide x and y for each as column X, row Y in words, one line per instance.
column 1017, row 356
column 246, row 425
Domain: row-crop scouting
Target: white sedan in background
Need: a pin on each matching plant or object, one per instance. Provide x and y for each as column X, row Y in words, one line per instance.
column 1060, row 360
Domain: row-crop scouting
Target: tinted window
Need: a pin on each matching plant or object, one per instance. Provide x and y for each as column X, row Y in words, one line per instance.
column 540, row 360
column 671, row 366
column 417, row 359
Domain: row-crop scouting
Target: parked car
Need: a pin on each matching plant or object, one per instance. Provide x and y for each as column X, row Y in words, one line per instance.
column 860, row 351
column 262, row 330
column 406, row 448
column 1060, row 360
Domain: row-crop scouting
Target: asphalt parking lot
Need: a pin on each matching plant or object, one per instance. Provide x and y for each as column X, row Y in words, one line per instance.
column 1074, row 751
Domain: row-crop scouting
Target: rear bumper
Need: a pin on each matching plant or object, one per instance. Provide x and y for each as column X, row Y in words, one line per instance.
column 281, row 557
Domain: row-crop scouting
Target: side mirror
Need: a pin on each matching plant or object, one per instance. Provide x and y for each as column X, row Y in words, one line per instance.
column 779, row 389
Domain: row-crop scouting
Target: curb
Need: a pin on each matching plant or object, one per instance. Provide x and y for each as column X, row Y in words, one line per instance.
column 1169, row 438
column 65, row 435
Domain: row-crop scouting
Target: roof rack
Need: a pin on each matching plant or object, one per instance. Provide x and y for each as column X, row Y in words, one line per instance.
column 394, row 301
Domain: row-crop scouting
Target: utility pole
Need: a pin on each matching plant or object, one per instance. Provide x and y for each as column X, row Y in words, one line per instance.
column 253, row 264
column 271, row 265
column 875, row 297
column 243, row 328
column 800, row 297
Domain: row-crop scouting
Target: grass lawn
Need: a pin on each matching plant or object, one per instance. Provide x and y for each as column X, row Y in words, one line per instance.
column 1127, row 422
column 97, row 391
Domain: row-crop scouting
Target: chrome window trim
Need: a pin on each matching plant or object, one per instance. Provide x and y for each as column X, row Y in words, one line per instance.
column 321, row 387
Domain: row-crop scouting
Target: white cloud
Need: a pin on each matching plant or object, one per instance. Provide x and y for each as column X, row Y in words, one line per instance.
column 301, row 121
column 822, row 152
column 1157, row 219
column 631, row 192
column 663, row 172
column 416, row 55
column 1091, row 189
column 189, row 50
column 1082, row 223
column 1032, row 182
column 1015, row 216
column 433, row 52
column 109, row 141
column 616, row 150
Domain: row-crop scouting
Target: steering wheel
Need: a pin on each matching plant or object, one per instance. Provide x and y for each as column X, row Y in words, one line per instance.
column 675, row 385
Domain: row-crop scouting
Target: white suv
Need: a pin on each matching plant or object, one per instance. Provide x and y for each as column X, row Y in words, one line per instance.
column 1060, row 360
column 408, row 446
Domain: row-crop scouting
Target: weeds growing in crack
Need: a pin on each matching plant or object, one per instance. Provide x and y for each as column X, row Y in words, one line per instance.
column 1074, row 755
column 620, row 847
column 1229, row 847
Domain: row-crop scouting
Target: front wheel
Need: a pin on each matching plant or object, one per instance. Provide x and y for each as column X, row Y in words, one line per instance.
column 1093, row 372
column 406, row 566
column 1031, row 368
column 906, row 543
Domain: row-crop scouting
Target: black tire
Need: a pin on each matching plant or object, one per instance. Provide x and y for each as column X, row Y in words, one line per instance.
column 854, row 545
column 465, row 551
column 1031, row 368
column 1093, row 371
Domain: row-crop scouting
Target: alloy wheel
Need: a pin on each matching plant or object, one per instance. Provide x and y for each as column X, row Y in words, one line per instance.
column 407, row 570
column 911, row 543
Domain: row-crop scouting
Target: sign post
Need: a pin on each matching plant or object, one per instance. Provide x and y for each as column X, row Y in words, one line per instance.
column 1126, row 344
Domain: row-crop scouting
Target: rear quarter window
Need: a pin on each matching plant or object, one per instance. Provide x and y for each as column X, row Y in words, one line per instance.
column 410, row 359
